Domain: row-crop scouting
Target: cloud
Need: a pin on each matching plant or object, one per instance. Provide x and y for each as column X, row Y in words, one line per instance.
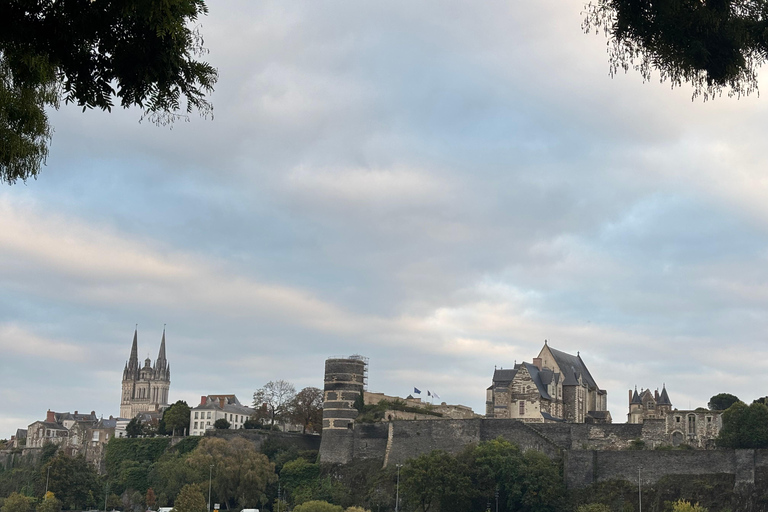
column 17, row 341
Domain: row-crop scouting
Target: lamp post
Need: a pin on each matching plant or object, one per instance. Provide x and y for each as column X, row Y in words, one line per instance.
column 397, row 492
column 639, row 491
column 210, row 473
column 47, row 476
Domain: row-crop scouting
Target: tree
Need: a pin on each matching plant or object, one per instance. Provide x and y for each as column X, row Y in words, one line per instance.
column 685, row 506
column 241, row 474
column 72, row 479
column 435, row 480
column 744, row 426
column 134, row 428
column 176, row 417
column 221, row 424
column 190, row 499
column 712, row 45
column 317, row 506
column 722, row 401
column 306, row 409
column 93, row 54
column 17, row 503
column 49, row 504
column 276, row 397
column 150, row 499
column 594, row 507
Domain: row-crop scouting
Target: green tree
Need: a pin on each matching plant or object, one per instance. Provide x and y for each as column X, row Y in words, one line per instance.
column 744, row 426
column 436, row 480
column 71, row 479
column 172, row 471
column 49, row 504
column 240, row 475
column 306, row 409
column 221, row 424
column 685, row 506
column 17, row 503
column 94, row 54
column 176, row 417
column 722, row 401
column 190, row 499
column 134, row 428
column 276, row 397
column 317, row 506
column 712, row 45
column 594, row 507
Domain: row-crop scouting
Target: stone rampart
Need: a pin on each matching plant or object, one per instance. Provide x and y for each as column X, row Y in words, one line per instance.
column 258, row 437
column 23, row 457
column 585, row 467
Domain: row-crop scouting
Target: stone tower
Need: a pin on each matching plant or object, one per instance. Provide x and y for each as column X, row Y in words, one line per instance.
column 345, row 381
column 145, row 388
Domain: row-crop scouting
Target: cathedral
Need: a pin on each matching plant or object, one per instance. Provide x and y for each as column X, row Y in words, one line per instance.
column 145, row 389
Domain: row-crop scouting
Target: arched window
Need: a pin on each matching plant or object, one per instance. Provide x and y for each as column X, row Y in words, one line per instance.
column 691, row 425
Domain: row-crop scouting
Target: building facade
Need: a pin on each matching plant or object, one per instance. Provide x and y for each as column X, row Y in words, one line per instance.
column 145, row 388
column 697, row 428
column 555, row 387
column 215, row 407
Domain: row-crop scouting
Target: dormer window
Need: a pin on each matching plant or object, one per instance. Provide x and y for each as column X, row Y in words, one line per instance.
column 650, row 406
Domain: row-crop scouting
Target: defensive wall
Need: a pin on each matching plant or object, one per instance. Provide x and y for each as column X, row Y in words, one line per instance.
column 397, row 440
column 585, row 467
column 591, row 453
column 20, row 457
column 258, row 437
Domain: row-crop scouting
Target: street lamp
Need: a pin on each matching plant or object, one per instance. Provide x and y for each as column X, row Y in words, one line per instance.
column 397, row 493
column 210, row 473
column 47, row 476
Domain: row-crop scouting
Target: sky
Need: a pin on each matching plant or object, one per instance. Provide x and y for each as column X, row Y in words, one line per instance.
column 439, row 186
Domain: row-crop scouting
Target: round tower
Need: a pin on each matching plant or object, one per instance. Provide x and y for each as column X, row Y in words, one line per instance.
column 345, row 381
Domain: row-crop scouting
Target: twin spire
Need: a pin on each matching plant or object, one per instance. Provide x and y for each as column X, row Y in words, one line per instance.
column 132, row 369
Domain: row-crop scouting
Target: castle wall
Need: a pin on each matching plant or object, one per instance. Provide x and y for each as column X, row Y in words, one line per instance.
column 585, row 467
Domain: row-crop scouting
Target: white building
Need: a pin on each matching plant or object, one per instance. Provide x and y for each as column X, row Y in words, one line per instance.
column 214, row 407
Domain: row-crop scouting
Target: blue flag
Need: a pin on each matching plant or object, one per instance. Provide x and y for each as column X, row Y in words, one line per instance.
column 417, row 391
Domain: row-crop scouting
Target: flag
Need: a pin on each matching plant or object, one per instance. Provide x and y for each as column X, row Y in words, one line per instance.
column 436, row 395
column 417, row 391
column 428, row 394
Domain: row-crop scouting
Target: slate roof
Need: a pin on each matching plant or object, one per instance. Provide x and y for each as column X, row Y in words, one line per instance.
column 548, row 416
column 664, row 397
column 636, row 398
column 572, row 367
column 504, row 375
column 536, row 377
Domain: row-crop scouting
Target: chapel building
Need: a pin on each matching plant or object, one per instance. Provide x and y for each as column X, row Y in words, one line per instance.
column 145, row 388
column 555, row 387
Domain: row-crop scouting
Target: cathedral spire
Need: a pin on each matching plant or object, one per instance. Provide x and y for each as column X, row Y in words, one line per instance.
column 133, row 362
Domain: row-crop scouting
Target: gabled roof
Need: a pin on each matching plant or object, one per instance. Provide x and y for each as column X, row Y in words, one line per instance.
column 572, row 366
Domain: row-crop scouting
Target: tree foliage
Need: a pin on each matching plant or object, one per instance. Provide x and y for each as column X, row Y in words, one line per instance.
column 317, row 506
column 71, row 479
column 276, row 397
column 686, row 506
column 94, row 53
column 722, row 401
column 190, row 499
column 176, row 417
column 744, row 426
column 306, row 409
column 16, row 503
column 221, row 424
column 50, row 503
column 714, row 45
column 240, row 473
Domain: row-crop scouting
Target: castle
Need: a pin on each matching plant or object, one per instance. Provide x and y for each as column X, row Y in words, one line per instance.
column 556, row 387
column 145, row 389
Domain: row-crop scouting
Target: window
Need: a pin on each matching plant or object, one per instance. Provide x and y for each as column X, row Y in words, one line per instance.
column 521, row 405
column 650, row 406
column 195, row 415
column 677, row 419
column 230, row 417
column 195, row 425
column 709, row 419
column 209, row 415
column 691, row 425
column 95, row 436
column 208, row 423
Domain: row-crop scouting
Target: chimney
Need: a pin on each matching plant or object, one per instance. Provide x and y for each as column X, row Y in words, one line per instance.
column 50, row 416
column 75, row 413
column 202, row 400
column 656, row 394
column 221, row 401
column 630, row 396
column 93, row 413
column 537, row 362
